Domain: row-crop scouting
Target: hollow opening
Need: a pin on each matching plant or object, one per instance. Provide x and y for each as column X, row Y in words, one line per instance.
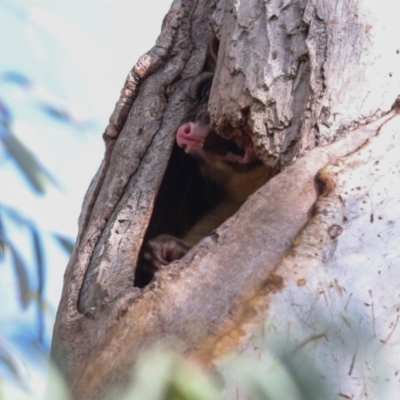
column 185, row 196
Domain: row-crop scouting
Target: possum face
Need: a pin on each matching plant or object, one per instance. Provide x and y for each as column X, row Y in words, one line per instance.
column 206, row 194
column 197, row 138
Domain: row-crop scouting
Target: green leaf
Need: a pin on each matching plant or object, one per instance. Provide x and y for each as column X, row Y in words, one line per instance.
column 162, row 374
column 40, row 270
column 56, row 387
column 22, row 277
column 2, row 244
column 66, row 243
column 35, row 173
column 10, row 363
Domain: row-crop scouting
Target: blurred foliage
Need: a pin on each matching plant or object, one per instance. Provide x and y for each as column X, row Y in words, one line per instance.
column 27, row 105
column 36, row 175
column 163, row 375
column 30, row 286
column 25, row 294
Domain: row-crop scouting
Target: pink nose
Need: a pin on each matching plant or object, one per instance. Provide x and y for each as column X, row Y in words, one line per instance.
column 190, row 136
column 186, row 129
column 184, row 137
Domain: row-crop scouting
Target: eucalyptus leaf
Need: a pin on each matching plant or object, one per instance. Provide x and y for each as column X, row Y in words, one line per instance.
column 10, row 363
column 163, row 375
column 66, row 243
column 40, row 272
column 36, row 174
column 21, row 272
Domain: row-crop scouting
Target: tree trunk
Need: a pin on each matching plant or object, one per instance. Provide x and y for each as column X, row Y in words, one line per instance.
column 307, row 265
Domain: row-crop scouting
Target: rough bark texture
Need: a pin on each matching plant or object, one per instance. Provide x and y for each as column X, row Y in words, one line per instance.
column 336, row 317
column 298, row 74
column 308, row 83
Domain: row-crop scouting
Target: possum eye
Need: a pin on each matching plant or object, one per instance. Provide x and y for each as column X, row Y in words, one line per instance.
column 203, row 91
column 199, row 91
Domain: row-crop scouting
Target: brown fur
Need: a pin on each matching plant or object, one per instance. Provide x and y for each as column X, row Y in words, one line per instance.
column 237, row 185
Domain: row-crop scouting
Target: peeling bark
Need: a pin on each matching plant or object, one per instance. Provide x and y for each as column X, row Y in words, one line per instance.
column 308, row 83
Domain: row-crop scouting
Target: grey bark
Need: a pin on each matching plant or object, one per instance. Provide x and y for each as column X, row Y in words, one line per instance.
column 308, row 83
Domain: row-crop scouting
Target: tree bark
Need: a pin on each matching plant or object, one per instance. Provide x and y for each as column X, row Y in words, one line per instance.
column 308, row 263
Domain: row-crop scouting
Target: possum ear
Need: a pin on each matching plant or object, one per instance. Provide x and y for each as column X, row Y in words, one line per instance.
column 212, row 55
column 205, row 78
column 200, row 87
column 213, row 48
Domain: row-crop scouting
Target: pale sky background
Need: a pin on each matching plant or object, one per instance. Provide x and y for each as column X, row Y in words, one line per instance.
column 76, row 54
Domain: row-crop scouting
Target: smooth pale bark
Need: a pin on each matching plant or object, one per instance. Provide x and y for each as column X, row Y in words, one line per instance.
column 309, row 262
